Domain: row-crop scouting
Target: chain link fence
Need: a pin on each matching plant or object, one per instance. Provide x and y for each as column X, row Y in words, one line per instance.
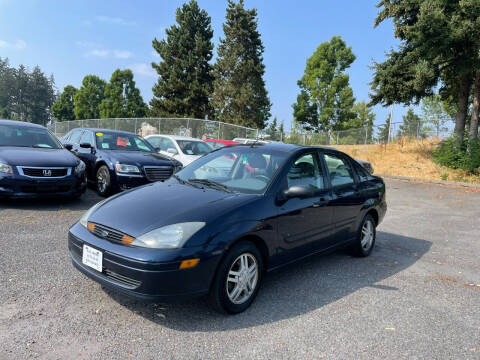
column 202, row 129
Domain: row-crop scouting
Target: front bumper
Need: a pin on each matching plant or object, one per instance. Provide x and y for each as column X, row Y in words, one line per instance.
column 125, row 182
column 147, row 274
column 17, row 186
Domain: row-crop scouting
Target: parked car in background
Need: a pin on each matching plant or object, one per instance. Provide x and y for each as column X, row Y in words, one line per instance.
column 33, row 163
column 250, row 141
column 118, row 160
column 181, row 148
column 218, row 232
column 219, row 143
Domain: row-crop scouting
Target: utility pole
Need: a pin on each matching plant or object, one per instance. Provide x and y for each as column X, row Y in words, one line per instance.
column 390, row 125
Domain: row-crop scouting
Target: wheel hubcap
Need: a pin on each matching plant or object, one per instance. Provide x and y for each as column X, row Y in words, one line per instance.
column 102, row 181
column 367, row 235
column 242, row 278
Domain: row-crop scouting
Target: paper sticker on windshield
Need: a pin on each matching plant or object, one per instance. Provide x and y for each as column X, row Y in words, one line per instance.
column 122, row 141
column 99, row 134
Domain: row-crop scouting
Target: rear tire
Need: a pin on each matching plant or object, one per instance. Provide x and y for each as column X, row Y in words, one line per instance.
column 103, row 181
column 366, row 237
column 237, row 279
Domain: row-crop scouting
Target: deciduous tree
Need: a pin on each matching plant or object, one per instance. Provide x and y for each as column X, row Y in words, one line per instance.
column 88, row 98
column 63, row 108
column 122, row 98
column 325, row 101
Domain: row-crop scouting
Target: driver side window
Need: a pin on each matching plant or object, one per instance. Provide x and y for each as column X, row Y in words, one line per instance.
column 306, row 171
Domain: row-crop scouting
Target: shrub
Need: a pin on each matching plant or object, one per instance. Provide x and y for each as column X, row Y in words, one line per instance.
column 467, row 157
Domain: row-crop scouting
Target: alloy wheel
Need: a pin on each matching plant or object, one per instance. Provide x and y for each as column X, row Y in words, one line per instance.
column 242, row 278
column 367, row 235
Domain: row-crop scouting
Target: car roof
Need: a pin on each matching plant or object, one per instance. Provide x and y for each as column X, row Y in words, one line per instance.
column 176, row 137
column 20, row 123
column 107, row 131
column 280, row 146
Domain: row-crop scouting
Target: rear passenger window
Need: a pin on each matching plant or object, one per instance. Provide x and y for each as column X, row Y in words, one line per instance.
column 340, row 170
column 306, row 172
column 362, row 173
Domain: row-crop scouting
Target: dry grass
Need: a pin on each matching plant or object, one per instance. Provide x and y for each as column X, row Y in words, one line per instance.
column 407, row 158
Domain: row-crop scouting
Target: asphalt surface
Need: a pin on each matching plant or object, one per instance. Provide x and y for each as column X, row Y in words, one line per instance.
column 416, row 296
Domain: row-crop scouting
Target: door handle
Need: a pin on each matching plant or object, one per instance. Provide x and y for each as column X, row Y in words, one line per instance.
column 321, row 202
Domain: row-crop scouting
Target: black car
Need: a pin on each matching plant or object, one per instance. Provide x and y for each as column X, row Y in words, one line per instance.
column 118, row 160
column 217, row 225
column 33, row 163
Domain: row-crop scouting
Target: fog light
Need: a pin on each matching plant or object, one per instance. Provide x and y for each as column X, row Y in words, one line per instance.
column 185, row 264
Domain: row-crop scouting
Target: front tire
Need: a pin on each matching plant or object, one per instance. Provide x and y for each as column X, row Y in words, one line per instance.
column 103, row 181
column 237, row 279
column 366, row 237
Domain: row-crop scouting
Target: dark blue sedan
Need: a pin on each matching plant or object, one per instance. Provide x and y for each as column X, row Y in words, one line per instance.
column 220, row 223
column 118, row 160
column 33, row 163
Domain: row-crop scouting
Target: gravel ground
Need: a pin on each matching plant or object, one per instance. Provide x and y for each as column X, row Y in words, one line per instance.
column 416, row 296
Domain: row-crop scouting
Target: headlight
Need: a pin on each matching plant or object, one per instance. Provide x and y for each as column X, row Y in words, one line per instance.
column 5, row 168
column 124, row 168
column 80, row 168
column 84, row 219
column 168, row 237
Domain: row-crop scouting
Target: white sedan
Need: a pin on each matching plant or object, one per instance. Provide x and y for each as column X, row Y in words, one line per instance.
column 181, row 148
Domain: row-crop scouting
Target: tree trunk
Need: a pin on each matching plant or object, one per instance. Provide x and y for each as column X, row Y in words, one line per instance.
column 473, row 134
column 462, row 105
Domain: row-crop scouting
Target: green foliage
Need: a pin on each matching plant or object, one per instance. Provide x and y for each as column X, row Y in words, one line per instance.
column 384, row 131
column 272, row 131
column 121, row 98
column 412, row 125
column 325, row 101
column 88, row 98
column 25, row 95
column 185, row 80
column 437, row 112
column 240, row 96
column 364, row 118
column 63, row 108
column 439, row 44
column 465, row 157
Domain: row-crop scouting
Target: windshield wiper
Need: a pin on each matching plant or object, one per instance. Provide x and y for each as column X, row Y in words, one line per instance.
column 211, row 183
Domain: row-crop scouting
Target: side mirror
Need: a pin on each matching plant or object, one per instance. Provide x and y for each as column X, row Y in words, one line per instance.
column 85, row 145
column 157, row 149
column 69, row 147
column 301, row 192
column 172, row 151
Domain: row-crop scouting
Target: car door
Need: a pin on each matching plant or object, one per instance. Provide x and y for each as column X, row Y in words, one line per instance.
column 88, row 154
column 346, row 199
column 304, row 225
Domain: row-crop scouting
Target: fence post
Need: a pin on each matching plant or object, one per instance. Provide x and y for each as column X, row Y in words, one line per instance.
column 219, row 130
column 366, row 137
column 115, row 123
column 55, row 127
column 135, row 126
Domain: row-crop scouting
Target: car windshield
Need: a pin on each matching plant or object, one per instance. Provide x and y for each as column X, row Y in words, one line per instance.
column 243, row 169
column 191, row 147
column 121, row 141
column 24, row 136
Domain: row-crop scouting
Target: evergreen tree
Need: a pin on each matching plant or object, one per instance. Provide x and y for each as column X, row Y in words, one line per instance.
column 185, row 81
column 438, row 45
column 384, row 131
column 326, row 99
column 240, row 96
column 63, row 108
column 412, row 126
column 41, row 97
column 272, row 129
column 281, row 131
column 121, row 98
column 88, row 98
column 364, row 118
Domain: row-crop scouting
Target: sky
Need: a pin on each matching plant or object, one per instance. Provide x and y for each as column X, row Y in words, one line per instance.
column 71, row 39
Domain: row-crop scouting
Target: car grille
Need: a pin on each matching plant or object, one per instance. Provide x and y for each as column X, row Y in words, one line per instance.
column 107, row 233
column 158, row 173
column 45, row 172
column 77, row 253
column 122, row 279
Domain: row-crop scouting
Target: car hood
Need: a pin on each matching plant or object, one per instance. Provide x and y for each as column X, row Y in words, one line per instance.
column 23, row 156
column 164, row 203
column 139, row 158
